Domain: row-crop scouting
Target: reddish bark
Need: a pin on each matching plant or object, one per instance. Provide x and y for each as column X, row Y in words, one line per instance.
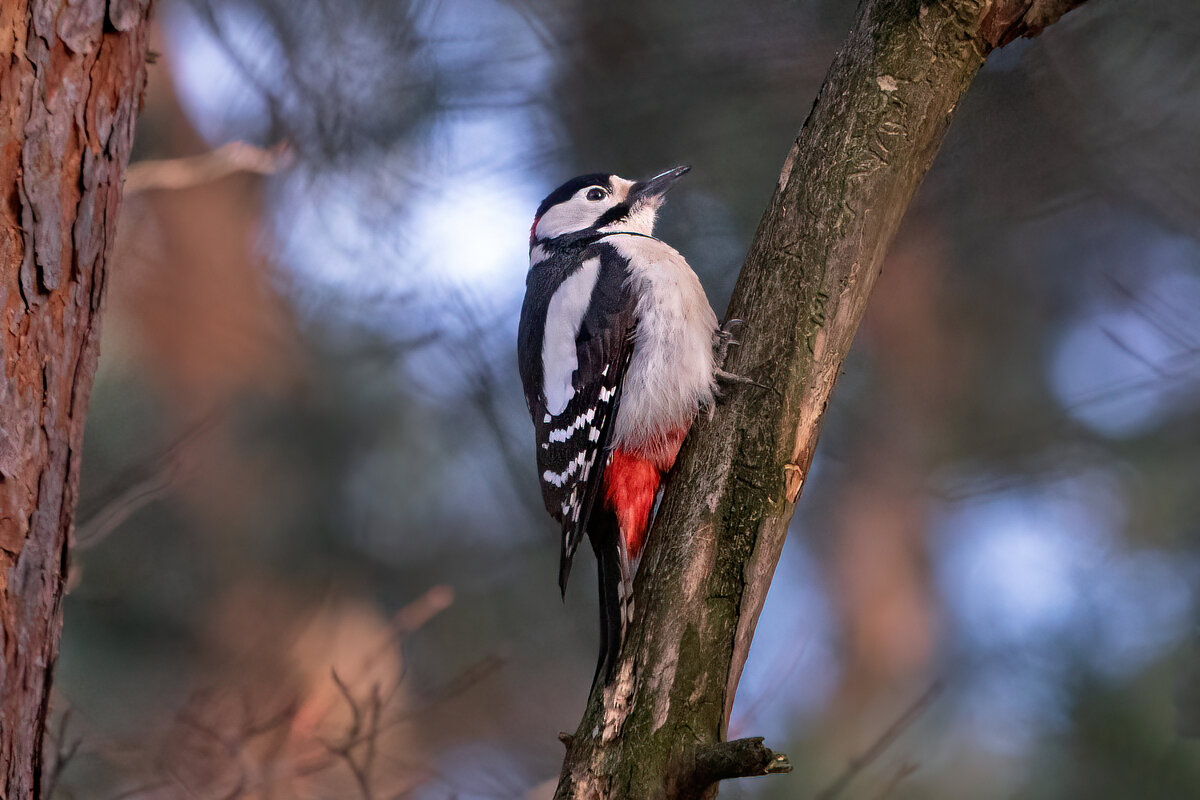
column 69, row 92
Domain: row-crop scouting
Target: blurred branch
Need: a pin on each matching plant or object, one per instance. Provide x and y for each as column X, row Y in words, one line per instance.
column 864, row 759
column 362, row 740
column 364, row 732
column 903, row 771
column 64, row 751
column 137, row 487
column 844, row 187
column 188, row 171
column 410, row 618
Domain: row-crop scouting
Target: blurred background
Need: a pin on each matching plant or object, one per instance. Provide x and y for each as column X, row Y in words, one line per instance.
column 311, row 555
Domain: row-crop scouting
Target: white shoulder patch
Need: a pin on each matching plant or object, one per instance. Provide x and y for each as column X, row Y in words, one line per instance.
column 564, row 316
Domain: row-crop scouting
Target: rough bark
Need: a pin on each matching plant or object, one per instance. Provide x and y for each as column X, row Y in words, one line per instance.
column 845, row 184
column 70, row 85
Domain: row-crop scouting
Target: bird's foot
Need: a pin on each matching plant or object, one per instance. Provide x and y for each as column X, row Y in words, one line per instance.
column 730, row 377
column 724, row 338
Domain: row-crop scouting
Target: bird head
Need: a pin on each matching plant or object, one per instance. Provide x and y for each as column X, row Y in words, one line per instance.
column 602, row 204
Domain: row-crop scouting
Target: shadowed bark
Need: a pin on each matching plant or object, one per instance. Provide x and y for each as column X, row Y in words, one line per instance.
column 69, row 92
column 656, row 731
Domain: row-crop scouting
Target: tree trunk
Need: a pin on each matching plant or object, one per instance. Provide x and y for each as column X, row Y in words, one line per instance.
column 70, row 86
column 657, row 730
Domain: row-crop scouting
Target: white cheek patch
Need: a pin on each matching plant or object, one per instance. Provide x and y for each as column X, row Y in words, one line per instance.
column 573, row 215
column 579, row 213
column 564, row 316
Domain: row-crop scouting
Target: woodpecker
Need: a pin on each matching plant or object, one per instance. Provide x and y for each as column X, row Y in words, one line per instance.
column 616, row 354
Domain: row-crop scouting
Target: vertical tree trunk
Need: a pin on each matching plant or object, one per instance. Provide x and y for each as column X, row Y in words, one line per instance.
column 71, row 78
column 657, row 730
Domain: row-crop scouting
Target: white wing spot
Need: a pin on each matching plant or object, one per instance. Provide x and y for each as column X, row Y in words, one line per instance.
column 560, row 478
column 563, row 434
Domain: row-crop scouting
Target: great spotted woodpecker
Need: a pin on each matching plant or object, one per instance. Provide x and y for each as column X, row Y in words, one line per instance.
column 616, row 352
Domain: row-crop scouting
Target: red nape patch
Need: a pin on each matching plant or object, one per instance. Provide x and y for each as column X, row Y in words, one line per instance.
column 630, row 483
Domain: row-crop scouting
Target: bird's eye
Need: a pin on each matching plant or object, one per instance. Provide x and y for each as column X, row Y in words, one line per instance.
column 595, row 193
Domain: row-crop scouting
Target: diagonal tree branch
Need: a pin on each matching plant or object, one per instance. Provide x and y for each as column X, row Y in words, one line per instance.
column 657, row 730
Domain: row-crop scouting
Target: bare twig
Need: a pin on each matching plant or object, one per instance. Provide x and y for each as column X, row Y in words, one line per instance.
column 246, row 772
column 136, row 487
column 188, row 171
column 412, row 617
column 903, row 771
column 364, row 730
column 864, row 759
column 64, row 752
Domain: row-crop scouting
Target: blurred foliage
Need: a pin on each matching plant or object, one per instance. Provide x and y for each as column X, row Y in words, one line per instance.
column 308, row 457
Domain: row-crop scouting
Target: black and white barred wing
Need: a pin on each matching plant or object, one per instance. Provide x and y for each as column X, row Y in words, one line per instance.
column 582, row 355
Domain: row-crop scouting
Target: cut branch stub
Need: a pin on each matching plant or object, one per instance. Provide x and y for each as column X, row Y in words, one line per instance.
column 741, row 758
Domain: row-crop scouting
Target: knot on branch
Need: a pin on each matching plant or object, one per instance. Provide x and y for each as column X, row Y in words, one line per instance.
column 1012, row 19
column 741, row 758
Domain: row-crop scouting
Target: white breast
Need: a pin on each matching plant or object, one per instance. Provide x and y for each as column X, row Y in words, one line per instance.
column 671, row 373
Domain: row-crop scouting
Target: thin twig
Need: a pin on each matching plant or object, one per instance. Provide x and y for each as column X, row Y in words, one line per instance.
column 63, row 753
column 137, row 487
column 189, row 171
column 902, row 772
column 864, row 759
column 411, row 618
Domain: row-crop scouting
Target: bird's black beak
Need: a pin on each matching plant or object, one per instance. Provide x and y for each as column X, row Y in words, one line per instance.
column 654, row 189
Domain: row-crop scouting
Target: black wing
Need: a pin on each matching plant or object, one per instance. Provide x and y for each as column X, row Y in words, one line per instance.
column 572, row 444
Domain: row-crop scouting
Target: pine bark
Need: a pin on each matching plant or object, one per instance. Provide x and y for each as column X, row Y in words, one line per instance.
column 657, row 731
column 71, row 78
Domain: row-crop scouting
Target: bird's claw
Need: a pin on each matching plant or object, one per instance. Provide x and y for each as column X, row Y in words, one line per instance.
column 731, row 377
column 724, row 337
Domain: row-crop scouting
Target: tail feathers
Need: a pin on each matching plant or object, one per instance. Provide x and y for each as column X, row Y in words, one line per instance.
column 625, row 586
column 615, row 593
column 564, row 572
